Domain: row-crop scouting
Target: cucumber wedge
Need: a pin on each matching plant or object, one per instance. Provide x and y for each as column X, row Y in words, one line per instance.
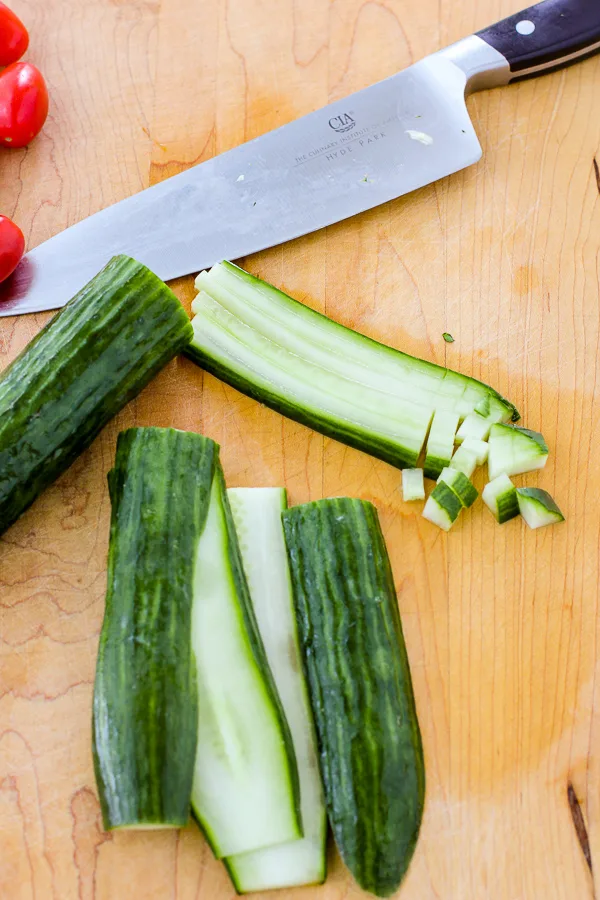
column 413, row 486
column 538, row 508
column 515, row 450
column 257, row 516
column 464, row 489
column 500, row 497
column 359, row 679
column 91, row 359
column 245, row 792
column 322, row 374
column 145, row 697
column 443, row 506
column 440, row 443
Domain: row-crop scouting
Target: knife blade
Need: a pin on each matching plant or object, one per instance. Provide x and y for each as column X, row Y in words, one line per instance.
column 357, row 153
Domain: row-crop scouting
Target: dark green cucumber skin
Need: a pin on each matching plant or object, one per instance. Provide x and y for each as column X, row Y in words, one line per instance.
column 352, row 435
column 357, row 669
column 91, row 359
column 260, row 657
column 145, row 695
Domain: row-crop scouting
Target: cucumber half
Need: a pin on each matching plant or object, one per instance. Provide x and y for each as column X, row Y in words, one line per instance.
column 538, row 508
column 500, row 497
column 514, row 450
column 257, row 516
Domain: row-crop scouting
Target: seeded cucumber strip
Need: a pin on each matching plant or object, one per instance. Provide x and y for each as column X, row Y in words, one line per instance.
column 500, row 497
column 464, row 460
column 538, row 508
column 440, row 443
column 464, row 489
column 413, row 485
column 245, row 792
column 475, row 427
column 443, row 507
column 514, row 450
column 257, row 516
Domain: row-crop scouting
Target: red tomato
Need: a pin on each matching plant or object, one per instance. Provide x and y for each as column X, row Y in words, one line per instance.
column 23, row 104
column 12, row 245
column 14, row 39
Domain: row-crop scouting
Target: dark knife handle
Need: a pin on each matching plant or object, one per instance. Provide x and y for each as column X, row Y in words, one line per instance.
column 547, row 36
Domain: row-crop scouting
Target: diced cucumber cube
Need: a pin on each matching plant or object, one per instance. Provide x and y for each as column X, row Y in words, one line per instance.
column 475, row 427
column 538, row 508
column 500, row 496
column 464, row 489
column 413, row 485
column 440, row 442
column 442, row 507
column 479, row 448
column 464, row 460
column 515, row 450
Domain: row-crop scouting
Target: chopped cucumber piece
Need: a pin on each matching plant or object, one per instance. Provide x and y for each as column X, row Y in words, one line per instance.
column 464, row 489
column 442, row 507
column 500, row 496
column 245, row 792
column 514, row 450
column 475, row 427
column 257, row 517
column 413, row 486
column 440, row 443
column 464, row 460
column 538, row 508
column 322, row 374
column 479, row 448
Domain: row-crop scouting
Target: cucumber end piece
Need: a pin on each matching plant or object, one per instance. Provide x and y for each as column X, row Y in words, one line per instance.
column 538, row 508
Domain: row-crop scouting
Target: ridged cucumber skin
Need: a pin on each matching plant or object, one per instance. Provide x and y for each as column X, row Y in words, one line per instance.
column 371, row 754
column 145, row 696
column 91, row 359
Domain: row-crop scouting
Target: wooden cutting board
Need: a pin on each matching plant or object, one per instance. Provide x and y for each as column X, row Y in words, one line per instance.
column 501, row 623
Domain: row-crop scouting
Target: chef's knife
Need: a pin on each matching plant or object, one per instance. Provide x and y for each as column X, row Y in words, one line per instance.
column 357, row 153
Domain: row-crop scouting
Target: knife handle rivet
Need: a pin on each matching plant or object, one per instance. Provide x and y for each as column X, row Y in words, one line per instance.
column 525, row 27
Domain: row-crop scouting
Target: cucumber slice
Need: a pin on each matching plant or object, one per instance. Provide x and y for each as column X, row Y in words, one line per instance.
column 500, row 497
column 475, row 427
column 145, row 698
column 443, row 507
column 514, row 450
column 257, row 517
column 413, row 485
column 464, row 460
column 479, row 448
column 440, row 443
column 359, row 678
column 245, row 792
column 317, row 372
column 91, row 359
column 464, row 489
column 538, row 508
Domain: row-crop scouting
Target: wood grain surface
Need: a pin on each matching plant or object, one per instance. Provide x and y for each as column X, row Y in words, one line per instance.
column 502, row 624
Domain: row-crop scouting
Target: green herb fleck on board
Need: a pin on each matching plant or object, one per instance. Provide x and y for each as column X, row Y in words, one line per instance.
column 448, row 337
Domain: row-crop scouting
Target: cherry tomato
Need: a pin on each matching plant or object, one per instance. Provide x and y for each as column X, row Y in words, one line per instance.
column 12, row 245
column 14, row 39
column 23, row 104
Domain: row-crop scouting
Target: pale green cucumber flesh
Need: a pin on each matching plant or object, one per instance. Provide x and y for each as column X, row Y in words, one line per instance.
column 514, row 451
column 464, row 461
column 500, row 496
column 440, row 443
column 538, row 508
column 245, row 793
column 443, row 507
column 257, row 517
column 479, row 448
column 474, row 426
column 413, row 486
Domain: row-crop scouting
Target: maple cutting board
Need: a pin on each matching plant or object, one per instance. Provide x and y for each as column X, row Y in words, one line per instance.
column 501, row 622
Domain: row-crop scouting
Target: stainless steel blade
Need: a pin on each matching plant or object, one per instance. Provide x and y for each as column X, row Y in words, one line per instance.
column 357, row 153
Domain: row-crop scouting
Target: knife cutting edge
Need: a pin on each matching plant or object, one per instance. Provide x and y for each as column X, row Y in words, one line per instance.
column 357, row 153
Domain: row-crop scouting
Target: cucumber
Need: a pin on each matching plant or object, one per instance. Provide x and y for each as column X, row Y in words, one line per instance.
column 245, row 792
column 514, row 451
column 359, row 679
column 440, row 443
column 464, row 489
column 443, row 506
column 500, row 497
column 413, row 486
column 93, row 357
column 479, row 448
column 257, row 516
column 464, row 460
column 322, row 374
column 145, row 697
column 474, row 426
column 538, row 508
